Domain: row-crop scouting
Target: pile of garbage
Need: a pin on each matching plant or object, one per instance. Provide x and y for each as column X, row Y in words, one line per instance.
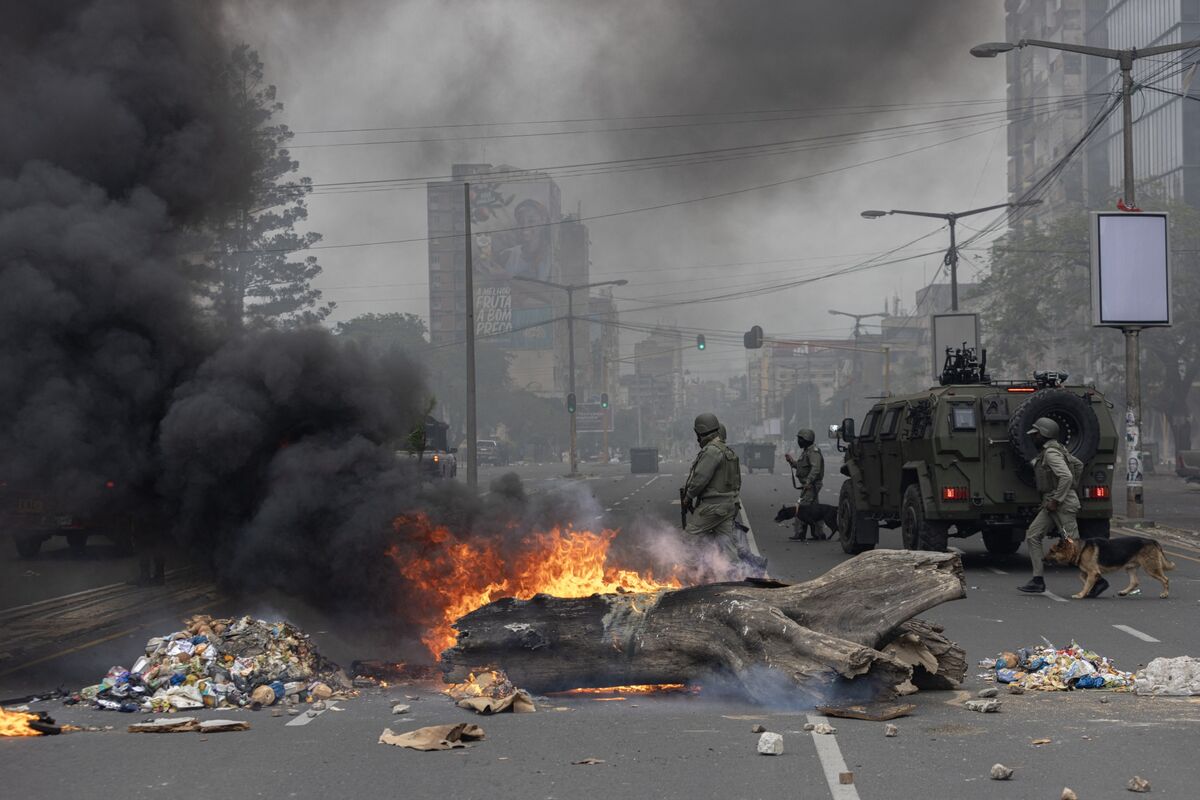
column 1049, row 669
column 220, row 663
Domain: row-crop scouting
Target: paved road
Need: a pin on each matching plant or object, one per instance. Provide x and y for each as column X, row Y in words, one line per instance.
column 655, row 746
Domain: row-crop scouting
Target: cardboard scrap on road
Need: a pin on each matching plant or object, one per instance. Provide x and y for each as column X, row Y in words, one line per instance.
column 519, row 702
column 166, row 725
column 872, row 712
column 223, row 725
column 435, row 737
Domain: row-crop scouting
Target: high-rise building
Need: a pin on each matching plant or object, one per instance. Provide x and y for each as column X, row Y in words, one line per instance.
column 1041, row 131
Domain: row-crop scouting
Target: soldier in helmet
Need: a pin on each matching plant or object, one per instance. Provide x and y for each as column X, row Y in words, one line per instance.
column 713, row 483
column 809, row 471
column 1057, row 472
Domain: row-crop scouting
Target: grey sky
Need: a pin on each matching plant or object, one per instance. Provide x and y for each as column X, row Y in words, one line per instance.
column 371, row 64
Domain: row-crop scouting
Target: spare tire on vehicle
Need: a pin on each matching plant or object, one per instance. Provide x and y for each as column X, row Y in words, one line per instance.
column 1079, row 429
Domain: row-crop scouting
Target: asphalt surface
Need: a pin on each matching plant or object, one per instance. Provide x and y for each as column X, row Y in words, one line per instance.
column 652, row 746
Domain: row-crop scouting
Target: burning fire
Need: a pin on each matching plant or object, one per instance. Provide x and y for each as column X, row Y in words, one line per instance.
column 454, row 575
column 486, row 684
column 16, row 723
column 643, row 688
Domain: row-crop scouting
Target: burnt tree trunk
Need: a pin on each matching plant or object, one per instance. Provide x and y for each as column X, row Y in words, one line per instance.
column 822, row 637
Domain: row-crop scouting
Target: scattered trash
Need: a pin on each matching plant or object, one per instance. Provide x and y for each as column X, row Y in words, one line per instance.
column 906, row 688
column 891, row 730
column 435, row 737
column 1016, row 688
column 874, row 712
column 808, row 726
column 991, row 691
column 588, row 762
column 824, row 728
column 400, row 708
column 293, row 712
column 223, row 725
column 758, row 729
column 846, row 778
column 1038, row 742
column 1138, row 784
column 1067, row 794
column 1169, row 677
column 220, row 663
column 983, row 706
column 188, row 725
column 1048, row 669
column 1001, row 772
column 519, row 702
column 770, row 744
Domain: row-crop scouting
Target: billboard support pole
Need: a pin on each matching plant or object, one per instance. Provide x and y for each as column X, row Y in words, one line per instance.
column 571, row 371
column 1134, row 506
column 469, row 288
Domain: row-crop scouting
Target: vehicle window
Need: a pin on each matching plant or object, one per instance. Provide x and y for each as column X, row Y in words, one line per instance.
column 869, row 425
column 962, row 417
column 891, row 421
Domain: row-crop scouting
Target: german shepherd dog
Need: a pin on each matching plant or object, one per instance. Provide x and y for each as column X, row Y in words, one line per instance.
column 810, row 515
column 1096, row 556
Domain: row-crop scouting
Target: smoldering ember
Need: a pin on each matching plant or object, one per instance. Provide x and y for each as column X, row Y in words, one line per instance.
column 379, row 379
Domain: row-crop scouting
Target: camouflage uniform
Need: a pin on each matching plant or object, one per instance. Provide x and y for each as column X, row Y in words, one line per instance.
column 810, row 474
column 712, row 488
column 1056, row 482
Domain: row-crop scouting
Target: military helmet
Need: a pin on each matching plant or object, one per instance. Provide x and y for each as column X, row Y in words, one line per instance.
column 705, row 424
column 805, row 435
column 722, row 434
column 1045, row 426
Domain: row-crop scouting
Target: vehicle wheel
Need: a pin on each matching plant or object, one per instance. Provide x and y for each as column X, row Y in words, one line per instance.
column 847, row 520
column 1000, row 541
column 1094, row 528
column 28, row 544
column 1079, row 428
column 917, row 532
column 77, row 542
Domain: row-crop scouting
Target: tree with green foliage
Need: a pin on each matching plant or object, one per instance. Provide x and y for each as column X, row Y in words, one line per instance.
column 1037, row 314
column 251, row 274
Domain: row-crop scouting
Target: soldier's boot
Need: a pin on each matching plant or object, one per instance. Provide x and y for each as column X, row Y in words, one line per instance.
column 1036, row 585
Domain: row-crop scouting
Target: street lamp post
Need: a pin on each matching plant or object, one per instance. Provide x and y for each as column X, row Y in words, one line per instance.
column 570, row 289
column 858, row 318
column 951, row 218
column 1134, row 501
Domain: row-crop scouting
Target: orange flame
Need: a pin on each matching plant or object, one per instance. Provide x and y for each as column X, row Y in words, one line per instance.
column 452, row 576
column 641, row 688
column 16, row 723
column 485, row 684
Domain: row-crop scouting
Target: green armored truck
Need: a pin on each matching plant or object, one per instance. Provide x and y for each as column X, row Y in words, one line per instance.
column 954, row 461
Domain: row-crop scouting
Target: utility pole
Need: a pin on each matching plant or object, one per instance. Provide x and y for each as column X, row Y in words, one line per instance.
column 469, row 285
column 570, row 289
column 1134, row 500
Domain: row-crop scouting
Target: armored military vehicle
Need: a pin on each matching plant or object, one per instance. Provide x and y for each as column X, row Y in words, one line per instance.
column 954, row 460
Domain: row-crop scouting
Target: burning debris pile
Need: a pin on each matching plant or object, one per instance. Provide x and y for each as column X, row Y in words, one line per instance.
column 1049, row 669
column 14, row 722
column 220, row 663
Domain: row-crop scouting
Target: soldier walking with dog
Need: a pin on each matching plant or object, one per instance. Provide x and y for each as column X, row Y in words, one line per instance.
column 808, row 473
column 710, row 495
column 1057, row 472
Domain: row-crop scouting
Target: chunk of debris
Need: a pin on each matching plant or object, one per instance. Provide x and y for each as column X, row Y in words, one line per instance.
column 825, row 728
column 1016, row 688
column 770, row 744
column 1138, row 784
column 983, row 706
column 1068, row 794
column 991, row 691
column 1001, row 772
column 1038, row 742
column 758, row 729
column 872, row 712
column 1169, row 677
column 166, row 725
column 223, row 725
column 434, row 737
column 588, row 761
column 293, row 712
column 891, row 730
column 808, row 726
column 846, row 778
column 401, row 708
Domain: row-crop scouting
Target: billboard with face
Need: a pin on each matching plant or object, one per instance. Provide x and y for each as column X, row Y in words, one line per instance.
column 513, row 245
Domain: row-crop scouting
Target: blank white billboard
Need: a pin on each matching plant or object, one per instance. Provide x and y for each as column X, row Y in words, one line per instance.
column 1131, row 271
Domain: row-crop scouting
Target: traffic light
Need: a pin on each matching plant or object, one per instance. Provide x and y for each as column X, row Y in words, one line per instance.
column 700, row 341
column 604, row 400
column 571, row 403
column 753, row 338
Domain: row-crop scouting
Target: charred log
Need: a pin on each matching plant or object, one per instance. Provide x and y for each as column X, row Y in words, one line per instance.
column 822, row 637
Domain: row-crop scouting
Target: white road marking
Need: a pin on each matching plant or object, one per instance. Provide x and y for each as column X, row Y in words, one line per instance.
column 675, row 502
column 1053, row 596
column 997, row 571
column 598, row 516
column 608, row 509
column 652, row 480
column 1134, row 632
column 832, row 762
column 305, row 717
column 749, row 530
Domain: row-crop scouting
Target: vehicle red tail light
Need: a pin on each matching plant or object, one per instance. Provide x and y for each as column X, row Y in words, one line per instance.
column 1096, row 492
column 1022, row 389
column 954, row 493
column 109, row 484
